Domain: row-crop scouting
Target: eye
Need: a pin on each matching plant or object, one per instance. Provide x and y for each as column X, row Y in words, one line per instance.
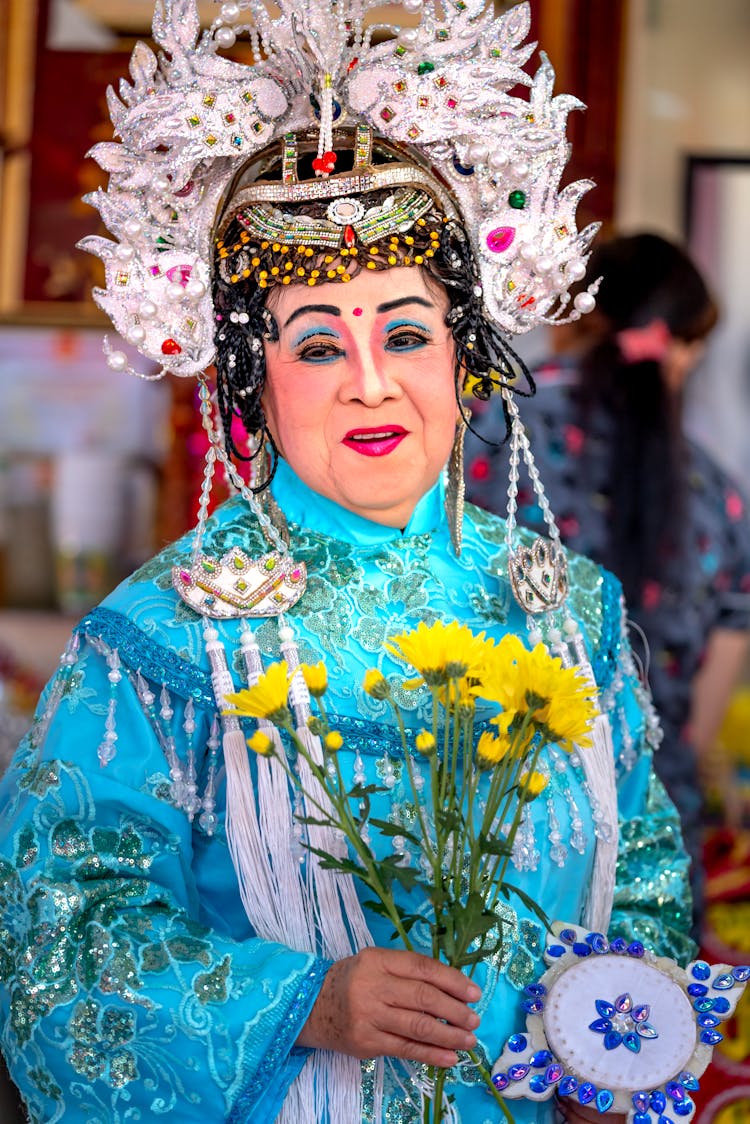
column 319, row 349
column 407, row 338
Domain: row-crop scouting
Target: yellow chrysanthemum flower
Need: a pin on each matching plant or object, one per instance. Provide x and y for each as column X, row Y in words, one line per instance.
column 532, row 785
column 333, row 741
column 267, row 698
column 261, row 744
column 441, row 651
column 376, row 684
column 559, row 697
column 425, row 743
column 316, row 678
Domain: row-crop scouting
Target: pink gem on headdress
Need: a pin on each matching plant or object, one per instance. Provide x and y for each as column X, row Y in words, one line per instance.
column 180, row 273
column 500, row 239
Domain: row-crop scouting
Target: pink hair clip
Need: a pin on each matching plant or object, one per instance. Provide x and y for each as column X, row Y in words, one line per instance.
column 647, row 344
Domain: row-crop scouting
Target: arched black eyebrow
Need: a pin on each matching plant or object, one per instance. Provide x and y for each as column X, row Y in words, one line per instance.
column 333, row 310
column 390, row 305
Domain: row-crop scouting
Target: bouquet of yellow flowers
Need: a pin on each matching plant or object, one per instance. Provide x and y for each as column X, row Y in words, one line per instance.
column 477, row 785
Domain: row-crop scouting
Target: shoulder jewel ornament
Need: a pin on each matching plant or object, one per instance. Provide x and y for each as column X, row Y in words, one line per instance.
column 611, row 1025
column 190, row 119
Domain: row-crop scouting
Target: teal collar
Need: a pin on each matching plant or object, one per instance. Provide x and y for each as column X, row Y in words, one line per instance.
column 306, row 508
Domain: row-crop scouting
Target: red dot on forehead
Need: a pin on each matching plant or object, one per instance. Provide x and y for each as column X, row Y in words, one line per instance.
column 357, row 311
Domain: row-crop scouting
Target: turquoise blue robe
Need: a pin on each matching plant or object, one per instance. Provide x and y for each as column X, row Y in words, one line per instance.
column 132, row 983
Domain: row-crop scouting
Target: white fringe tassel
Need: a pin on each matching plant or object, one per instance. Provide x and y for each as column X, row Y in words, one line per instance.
column 599, row 767
column 315, row 912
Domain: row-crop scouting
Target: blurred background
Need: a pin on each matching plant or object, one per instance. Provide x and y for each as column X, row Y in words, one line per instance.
column 97, row 470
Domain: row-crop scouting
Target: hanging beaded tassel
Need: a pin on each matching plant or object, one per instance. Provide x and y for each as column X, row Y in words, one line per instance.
column 538, row 576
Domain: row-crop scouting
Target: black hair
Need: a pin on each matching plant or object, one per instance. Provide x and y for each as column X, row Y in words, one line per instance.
column 645, row 278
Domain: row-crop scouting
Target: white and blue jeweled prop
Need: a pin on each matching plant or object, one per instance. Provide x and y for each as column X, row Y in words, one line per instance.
column 613, row 1026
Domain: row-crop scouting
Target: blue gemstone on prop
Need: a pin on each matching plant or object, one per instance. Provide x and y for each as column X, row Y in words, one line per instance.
column 517, row 1043
column 556, row 950
column 612, row 1040
column 707, row 1020
column 701, row 970
column 704, row 1005
column 586, row 1092
column 605, row 1009
column 500, row 1081
column 636, row 949
column 554, row 1073
column 658, row 1101
column 533, row 1006
column 697, row 990
column 641, row 1013
column 623, row 1003
column 604, row 1100
column 581, row 949
column 722, row 983
column 684, row 1108
column 722, row 1006
column 640, row 1102
column 675, row 1091
column 463, row 169
column 741, row 973
column 567, row 1086
column 600, row 944
column 665, row 1120
column 535, row 989
column 542, row 1059
column 518, row 1071
column 600, row 1026
column 632, row 1041
column 646, row 1030
column 689, row 1081
column 711, row 1037
column 594, row 938
column 619, row 945
column 641, row 1118
column 568, row 936
column 537, row 1084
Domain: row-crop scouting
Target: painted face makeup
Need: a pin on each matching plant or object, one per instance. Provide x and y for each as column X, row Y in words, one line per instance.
column 361, row 399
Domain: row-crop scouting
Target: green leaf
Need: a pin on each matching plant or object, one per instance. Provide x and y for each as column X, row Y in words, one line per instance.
column 527, row 901
column 361, row 790
column 385, row 827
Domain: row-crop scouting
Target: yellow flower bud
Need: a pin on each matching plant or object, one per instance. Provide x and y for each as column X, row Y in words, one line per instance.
column 533, row 785
column 490, row 749
column 425, row 743
column 261, row 744
column 376, row 684
column 333, row 741
column 316, row 678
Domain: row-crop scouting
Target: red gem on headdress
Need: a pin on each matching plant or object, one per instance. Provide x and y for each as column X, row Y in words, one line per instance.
column 171, row 347
column 352, row 65
column 350, row 236
column 318, row 165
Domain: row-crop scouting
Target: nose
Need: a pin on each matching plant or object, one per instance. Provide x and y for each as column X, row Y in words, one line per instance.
column 369, row 380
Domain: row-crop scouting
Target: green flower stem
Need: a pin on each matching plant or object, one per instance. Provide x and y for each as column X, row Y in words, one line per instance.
column 498, row 876
column 483, row 1073
column 427, row 847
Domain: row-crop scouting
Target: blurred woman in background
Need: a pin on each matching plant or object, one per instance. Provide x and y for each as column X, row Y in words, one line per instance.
column 631, row 490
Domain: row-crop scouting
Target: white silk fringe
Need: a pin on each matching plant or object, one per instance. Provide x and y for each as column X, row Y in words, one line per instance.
column 285, row 907
column 599, row 767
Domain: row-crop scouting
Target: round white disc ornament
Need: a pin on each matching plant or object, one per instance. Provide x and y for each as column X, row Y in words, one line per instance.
column 611, row 1025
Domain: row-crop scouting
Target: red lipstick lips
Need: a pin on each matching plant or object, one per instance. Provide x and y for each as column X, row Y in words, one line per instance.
column 375, row 441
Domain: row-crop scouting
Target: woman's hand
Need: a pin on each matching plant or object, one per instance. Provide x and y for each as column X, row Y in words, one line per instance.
column 394, row 1003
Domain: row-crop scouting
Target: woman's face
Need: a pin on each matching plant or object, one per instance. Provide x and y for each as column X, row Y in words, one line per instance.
column 360, row 389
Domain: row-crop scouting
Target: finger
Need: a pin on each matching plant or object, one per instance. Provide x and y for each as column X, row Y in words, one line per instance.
column 421, row 996
column 412, row 965
column 418, row 1027
column 394, row 1046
